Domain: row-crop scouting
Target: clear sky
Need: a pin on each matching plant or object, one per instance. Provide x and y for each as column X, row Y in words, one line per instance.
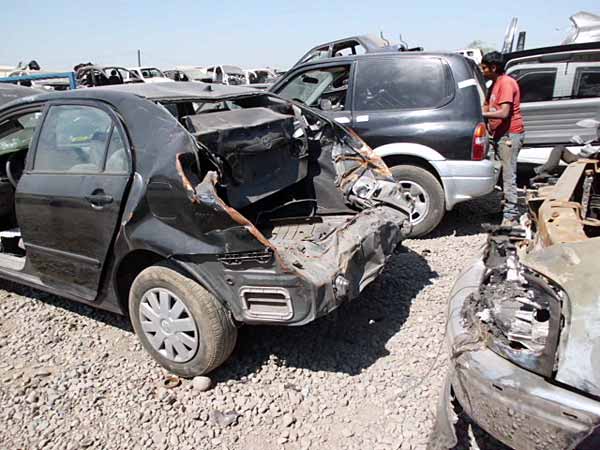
column 61, row 33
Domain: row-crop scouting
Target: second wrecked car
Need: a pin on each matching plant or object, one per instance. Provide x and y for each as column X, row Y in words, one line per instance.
column 524, row 325
column 193, row 208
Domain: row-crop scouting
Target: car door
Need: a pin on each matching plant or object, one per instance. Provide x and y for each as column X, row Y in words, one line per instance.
column 68, row 200
column 325, row 87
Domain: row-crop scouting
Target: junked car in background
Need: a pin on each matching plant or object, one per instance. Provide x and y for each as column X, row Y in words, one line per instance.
column 523, row 332
column 92, row 75
column 226, row 74
column 187, row 73
column 256, row 210
column 421, row 112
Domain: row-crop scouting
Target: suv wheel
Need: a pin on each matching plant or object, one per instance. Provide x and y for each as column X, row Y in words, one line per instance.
column 179, row 323
column 428, row 195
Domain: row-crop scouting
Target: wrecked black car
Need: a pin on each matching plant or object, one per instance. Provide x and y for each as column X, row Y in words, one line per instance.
column 524, row 325
column 194, row 208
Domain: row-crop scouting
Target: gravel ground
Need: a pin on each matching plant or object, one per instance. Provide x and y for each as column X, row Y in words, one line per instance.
column 366, row 377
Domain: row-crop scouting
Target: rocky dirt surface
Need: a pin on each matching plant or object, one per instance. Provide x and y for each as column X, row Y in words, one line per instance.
column 366, row 377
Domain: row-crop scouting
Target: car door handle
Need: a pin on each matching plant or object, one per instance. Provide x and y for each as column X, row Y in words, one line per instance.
column 99, row 199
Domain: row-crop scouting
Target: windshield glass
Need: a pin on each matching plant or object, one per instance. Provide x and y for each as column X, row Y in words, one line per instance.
column 195, row 74
column 309, row 86
column 19, row 138
column 233, row 70
column 151, row 72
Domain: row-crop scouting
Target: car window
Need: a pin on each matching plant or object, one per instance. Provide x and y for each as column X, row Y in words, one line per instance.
column 315, row 55
column 401, row 83
column 537, row 86
column 16, row 133
column 587, row 83
column 116, row 158
column 73, row 139
column 327, row 83
column 152, row 72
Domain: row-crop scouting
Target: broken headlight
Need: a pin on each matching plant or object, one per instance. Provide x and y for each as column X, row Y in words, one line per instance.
column 519, row 314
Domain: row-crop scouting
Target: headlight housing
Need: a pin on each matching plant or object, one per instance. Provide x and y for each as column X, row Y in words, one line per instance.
column 519, row 313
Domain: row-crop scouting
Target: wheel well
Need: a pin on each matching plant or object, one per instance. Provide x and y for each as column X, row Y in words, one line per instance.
column 129, row 268
column 398, row 160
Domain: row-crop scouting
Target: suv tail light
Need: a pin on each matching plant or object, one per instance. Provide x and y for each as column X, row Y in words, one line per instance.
column 480, row 143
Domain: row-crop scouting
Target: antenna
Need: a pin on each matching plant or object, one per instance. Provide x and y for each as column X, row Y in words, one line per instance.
column 381, row 36
column 402, row 41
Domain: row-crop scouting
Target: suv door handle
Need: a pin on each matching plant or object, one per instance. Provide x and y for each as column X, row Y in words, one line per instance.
column 99, row 199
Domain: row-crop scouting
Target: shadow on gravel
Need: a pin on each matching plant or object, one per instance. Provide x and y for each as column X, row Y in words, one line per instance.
column 106, row 317
column 348, row 340
column 466, row 218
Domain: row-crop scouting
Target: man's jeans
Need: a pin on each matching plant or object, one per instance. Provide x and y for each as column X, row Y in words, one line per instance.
column 507, row 148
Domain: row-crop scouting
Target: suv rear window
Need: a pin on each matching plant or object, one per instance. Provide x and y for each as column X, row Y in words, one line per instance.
column 401, row 83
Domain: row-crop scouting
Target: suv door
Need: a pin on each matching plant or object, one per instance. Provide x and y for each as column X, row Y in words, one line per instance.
column 402, row 99
column 68, row 201
column 323, row 87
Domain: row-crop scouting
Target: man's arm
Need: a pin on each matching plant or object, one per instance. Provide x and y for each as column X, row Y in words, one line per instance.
column 502, row 113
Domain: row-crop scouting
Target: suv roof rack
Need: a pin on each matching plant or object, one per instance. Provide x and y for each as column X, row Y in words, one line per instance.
column 541, row 51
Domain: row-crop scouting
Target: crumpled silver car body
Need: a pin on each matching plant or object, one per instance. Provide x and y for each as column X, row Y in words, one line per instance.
column 524, row 325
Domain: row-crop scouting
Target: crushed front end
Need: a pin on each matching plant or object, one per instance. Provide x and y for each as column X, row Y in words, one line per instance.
column 523, row 332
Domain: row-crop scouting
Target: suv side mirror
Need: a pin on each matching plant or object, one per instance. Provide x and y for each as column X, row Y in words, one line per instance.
column 325, row 104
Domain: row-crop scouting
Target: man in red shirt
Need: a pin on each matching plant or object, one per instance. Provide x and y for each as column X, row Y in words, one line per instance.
column 506, row 127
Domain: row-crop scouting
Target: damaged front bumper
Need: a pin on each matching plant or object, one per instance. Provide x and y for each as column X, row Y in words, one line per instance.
column 517, row 407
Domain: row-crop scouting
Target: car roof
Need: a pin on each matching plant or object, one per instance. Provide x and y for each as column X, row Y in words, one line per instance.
column 180, row 91
column 12, row 92
column 398, row 54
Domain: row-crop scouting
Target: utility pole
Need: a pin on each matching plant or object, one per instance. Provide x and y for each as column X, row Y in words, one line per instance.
column 139, row 52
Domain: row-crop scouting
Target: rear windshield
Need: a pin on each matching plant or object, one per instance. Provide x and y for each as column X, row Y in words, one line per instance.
column 402, row 83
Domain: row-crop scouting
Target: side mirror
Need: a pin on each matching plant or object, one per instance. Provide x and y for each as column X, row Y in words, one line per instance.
column 325, row 104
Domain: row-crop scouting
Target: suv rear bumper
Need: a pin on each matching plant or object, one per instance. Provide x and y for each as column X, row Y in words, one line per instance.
column 466, row 180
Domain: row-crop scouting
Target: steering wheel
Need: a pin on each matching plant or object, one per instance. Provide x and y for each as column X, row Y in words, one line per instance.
column 296, row 99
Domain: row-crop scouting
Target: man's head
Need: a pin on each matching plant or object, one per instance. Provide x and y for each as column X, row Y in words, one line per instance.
column 492, row 65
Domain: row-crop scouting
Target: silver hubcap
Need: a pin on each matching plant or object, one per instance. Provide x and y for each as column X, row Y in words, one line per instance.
column 420, row 197
column 168, row 325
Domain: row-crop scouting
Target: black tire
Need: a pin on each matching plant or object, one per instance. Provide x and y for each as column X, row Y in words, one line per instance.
column 434, row 191
column 217, row 333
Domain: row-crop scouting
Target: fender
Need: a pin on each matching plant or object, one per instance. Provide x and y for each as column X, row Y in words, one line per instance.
column 410, row 149
column 426, row 154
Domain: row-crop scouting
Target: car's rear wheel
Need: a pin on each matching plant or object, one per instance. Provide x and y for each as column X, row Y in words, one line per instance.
column 427, row 193
column 180, row 323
